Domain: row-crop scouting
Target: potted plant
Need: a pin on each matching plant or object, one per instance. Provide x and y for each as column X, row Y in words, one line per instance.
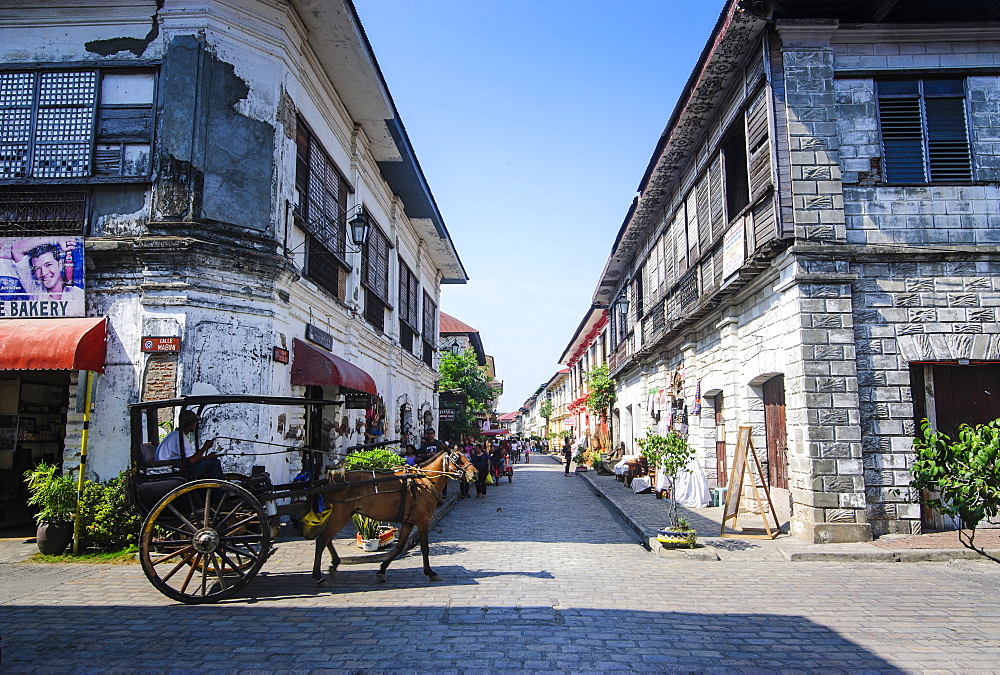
column 670, row 453
column 681, row 534
column 371, row 533
column 55, row 496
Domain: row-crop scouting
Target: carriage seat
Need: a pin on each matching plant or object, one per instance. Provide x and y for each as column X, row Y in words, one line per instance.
column 147, row 461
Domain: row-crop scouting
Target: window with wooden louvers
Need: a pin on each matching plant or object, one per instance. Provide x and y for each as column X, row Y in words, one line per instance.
column 759, row 146
column 925, row 137
column 407, row 302
column 375, row 264
column 429, row 327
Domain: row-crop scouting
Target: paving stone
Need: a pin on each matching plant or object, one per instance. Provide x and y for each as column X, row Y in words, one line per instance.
column 553, row 581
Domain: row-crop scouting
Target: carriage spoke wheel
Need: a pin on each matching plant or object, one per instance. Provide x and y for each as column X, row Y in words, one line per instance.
column 204, row 541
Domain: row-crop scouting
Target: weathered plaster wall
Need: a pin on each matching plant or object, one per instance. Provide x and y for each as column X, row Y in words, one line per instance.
column 213, row 162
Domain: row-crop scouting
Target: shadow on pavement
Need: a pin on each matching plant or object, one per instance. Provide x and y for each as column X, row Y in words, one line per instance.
column 332, row 635
column 269, row 586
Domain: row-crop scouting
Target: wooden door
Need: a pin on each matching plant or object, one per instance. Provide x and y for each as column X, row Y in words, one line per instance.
column 965, row 395
column 720, row 444
column 777, row 437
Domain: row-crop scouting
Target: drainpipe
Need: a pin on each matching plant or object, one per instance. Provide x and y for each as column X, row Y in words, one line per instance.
column 84, row 435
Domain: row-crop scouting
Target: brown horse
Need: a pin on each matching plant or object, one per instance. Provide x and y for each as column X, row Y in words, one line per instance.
column 407, row 495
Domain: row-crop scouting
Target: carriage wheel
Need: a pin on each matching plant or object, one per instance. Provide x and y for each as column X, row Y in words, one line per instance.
column 510, row 475
column 204, row 541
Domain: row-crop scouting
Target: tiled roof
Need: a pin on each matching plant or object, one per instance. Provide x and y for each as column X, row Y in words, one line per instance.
column 450, row 324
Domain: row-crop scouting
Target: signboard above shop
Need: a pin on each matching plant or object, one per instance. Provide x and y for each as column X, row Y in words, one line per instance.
column 41, row 277
column 357, row 400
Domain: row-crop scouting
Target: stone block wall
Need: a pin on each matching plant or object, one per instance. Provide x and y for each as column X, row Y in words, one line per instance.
column 905, row 312
column 921, row 305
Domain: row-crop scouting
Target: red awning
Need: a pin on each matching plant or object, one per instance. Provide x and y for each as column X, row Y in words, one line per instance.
column 314, row 366
column 494, row 432
column 53, row 344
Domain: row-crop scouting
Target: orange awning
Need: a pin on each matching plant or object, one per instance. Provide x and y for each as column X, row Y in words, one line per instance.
column 312, row 366
column 53, row 344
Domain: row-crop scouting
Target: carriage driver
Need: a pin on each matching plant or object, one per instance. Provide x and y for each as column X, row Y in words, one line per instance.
column 203, row 464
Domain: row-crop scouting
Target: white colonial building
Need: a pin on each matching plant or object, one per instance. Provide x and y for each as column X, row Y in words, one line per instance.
column 207, row 159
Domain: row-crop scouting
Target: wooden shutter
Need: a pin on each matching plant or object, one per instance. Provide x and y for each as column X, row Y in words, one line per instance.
column 690, row 251
column 407, row 301
column 375, row 264
column 759, row 147
column 718, row 199
column 429, row 321
column 704, row 194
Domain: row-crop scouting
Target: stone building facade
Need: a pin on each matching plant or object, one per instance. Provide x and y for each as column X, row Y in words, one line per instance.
column 813, row 253
column 211, row 161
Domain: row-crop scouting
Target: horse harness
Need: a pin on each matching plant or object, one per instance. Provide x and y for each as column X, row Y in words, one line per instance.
column 408, row 478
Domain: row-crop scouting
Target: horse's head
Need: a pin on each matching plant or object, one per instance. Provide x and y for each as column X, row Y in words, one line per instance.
column 459, row 463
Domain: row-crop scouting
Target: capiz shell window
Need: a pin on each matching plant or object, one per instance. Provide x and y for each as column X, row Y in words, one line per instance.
column 75, row 124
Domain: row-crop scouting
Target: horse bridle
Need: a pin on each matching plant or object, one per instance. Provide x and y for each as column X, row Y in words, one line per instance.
column 451, row 457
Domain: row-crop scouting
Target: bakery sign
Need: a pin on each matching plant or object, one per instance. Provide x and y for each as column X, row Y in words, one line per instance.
column 41, row 277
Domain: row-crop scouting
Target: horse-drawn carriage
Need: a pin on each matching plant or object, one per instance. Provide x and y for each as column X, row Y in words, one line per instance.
column 203, row 540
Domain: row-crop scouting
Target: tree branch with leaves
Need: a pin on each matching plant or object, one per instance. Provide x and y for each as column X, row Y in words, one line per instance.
column 962, row 477
column 462, row 371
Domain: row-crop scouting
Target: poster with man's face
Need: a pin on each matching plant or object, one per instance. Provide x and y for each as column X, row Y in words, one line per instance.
column 41, row 277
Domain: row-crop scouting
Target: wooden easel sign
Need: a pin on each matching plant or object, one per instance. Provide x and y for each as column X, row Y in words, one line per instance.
column 731, row 509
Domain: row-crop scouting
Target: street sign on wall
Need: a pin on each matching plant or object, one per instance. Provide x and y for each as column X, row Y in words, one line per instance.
column 161, row 344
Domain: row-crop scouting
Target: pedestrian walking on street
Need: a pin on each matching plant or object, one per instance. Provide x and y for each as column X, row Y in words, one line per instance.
column 463, row 484
column 568, row 453
column 481, row 461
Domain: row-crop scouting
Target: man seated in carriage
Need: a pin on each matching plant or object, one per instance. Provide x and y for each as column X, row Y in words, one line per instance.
column 204, row 464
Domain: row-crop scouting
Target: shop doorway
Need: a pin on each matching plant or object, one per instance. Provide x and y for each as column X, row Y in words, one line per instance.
column 33, row 408
column 949, row 395
column 777, row 435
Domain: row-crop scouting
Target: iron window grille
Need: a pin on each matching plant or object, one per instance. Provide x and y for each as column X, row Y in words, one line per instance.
column 924, row 130
column 76, row 124
column 31, row 212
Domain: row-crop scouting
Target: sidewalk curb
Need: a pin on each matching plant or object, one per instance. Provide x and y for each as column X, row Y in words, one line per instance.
column 646, row 537
column 792, row 551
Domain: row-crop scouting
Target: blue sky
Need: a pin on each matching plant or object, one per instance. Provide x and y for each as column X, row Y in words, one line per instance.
column 534, row 121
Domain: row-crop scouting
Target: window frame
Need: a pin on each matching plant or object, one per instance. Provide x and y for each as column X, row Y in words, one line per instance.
column 921, row 98
column 408, row 305
column 428, row 325
column 325, row 265
column 95, row 137
column 378, row 287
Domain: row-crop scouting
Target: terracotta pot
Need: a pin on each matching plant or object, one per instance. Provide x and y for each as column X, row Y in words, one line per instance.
column 53, row 538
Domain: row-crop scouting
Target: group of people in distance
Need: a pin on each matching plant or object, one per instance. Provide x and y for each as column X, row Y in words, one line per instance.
column 488, row 458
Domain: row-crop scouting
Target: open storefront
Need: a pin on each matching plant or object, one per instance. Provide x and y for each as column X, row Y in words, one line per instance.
column 40, row 363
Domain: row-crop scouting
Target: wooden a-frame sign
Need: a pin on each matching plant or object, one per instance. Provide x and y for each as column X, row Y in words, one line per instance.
column 744, row 448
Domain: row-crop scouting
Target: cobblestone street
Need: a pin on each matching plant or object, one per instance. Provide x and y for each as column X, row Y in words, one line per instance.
column 538, row 576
